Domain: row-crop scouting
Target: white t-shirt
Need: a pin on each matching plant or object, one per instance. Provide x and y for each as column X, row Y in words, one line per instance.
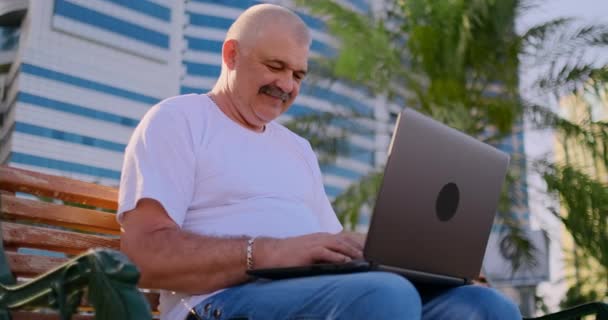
column 215, row 177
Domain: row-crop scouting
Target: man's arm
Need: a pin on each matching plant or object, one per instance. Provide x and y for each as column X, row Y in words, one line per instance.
column 171, row 259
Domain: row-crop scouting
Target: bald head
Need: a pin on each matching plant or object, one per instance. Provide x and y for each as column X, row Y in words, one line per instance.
column 260, row 21
column 264, row 61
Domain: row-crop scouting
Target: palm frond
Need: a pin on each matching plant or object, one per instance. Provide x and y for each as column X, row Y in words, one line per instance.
column 315, row 127
column 561, row 38
column 348, row 205
column 535, row 37
column 514, row 243
column 568, row 78
column 587, row 134
column 586, row 200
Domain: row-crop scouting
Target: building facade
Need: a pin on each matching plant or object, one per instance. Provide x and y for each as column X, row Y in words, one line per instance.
column 84, row 72
column 83, row 75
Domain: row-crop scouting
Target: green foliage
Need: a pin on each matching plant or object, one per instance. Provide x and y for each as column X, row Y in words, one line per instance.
column 444, row 58
column 365, row 43
column 586, row 200
column 435, row 55
column 586, row 285
column 349, row 203
column 540, row 304
column 558, row 47
column 458, row 61
column 575, row 297
column 316, row 128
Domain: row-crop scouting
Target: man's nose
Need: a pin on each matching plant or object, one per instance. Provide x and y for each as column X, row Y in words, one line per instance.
column 286, row 82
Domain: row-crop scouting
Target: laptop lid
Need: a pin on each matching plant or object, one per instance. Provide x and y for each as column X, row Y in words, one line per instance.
column 438, row 199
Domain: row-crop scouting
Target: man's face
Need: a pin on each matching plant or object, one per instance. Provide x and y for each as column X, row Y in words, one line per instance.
column 267, row 76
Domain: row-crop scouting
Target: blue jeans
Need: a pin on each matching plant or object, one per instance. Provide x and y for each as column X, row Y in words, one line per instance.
column 368, row 295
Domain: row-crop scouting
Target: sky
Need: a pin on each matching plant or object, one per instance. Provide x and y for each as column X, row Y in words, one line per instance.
column 594, row 10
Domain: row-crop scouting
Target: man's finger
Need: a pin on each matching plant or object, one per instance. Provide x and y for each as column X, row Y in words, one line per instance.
column 327, row 255
column 343, row 246
column 356, row 240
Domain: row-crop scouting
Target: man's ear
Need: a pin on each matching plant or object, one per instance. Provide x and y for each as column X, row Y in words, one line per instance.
column 229, row 53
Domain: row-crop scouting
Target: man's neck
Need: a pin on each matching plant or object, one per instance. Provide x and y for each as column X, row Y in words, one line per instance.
column 224, row 102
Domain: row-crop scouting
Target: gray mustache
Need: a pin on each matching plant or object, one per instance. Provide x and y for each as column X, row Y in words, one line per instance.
column 275, row 92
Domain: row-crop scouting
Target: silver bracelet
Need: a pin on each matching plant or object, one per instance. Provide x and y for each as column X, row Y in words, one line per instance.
column 250, row 253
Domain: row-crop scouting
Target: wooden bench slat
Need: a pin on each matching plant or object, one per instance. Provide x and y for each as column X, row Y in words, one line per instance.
column 17, row 212
column 15, row 208
column 19, row 180
column 27, row 265
column 26, row 236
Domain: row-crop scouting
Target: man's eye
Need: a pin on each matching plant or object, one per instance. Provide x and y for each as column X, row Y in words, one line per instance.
column 274, row 68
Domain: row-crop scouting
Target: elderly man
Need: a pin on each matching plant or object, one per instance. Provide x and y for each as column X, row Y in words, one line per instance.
column 213, row 186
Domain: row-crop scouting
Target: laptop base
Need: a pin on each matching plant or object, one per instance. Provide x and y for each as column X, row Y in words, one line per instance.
column 354, row 266
column 311, row 270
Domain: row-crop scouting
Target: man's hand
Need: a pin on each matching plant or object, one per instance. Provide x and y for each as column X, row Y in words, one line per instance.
column 358, row 239
column 307, row 249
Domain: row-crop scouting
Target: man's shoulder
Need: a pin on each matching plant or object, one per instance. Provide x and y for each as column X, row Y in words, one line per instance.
column 187, row 107
column 179, row 112
column 185, row 103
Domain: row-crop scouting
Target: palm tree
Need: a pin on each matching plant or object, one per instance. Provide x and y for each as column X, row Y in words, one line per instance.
column 458, row 61
column 579, row 178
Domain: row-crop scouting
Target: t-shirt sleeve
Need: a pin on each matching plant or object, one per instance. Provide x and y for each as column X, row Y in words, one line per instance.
column 159, row 163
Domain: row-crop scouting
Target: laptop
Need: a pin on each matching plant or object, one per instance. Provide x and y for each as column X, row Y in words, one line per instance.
column 434, row 211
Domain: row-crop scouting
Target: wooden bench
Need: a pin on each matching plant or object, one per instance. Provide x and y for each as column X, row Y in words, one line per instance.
column 67, row 217
column 61, row 216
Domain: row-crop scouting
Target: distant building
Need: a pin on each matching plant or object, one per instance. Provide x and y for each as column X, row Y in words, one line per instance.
column 80, row 74
column 83, row 75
